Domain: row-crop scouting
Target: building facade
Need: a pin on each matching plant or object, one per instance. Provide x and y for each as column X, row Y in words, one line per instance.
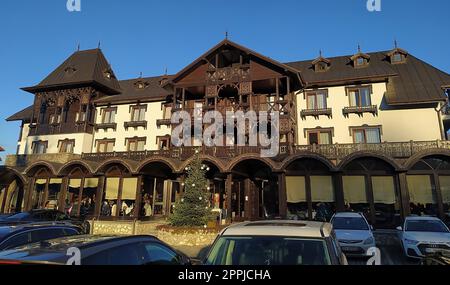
column 365, row 132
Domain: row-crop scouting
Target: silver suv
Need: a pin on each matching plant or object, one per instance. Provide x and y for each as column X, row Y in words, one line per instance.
column 276, row 242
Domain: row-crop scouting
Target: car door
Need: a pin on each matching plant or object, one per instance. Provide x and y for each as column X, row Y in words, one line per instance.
column 129, row 254
column 16, row 240
column 159, row 254
column 46, row 234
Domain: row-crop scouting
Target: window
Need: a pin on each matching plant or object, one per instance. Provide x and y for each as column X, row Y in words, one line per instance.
column 55, row 118
column 360, row 61
column 46, row 234
column 397, row 58
column 81, row 116
column 319, row 137
column 316, row 100
column 366, row 135
column 105, row 145
column 138, row 113
column 16, row 241
column 136, row 144
column 359, row 97
column 109, row 115
column 39, row 147
column 167, row 111
column 66, row 146
column 321, row 66
column 163, row 142
column 130, row 254
column 159, row 254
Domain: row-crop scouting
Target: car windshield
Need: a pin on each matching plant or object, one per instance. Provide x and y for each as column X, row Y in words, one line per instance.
column 350, row 223
column 17, row 217
column 426, row 226
column 268, row 251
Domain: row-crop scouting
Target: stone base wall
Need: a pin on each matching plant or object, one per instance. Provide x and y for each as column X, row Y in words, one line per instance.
column 177, row 237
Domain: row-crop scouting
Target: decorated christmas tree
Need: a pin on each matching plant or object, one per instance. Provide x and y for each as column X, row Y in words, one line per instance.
column 193, row 209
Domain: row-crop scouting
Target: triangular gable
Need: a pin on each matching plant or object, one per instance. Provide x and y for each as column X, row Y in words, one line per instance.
column 198, row 67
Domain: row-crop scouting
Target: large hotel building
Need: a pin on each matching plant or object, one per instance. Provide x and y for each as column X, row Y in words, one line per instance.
column 364, row 132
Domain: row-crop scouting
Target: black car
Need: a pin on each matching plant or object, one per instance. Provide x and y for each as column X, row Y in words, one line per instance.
column 97, row 250
column 19, row 235
column 38, row 216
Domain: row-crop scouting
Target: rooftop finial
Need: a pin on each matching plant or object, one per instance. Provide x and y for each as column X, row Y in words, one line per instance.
column 395, row 43
column 359, row 48
column 99, row 44
column 165, row 71
column 140, row 74
column 226, row 34
column 78, row 47
column 320, row 53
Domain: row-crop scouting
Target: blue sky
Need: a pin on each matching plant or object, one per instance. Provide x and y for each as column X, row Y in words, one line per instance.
column 148, row 36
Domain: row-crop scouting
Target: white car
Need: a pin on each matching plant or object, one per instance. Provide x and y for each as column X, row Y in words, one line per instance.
column 421, row 236
column 353, row 233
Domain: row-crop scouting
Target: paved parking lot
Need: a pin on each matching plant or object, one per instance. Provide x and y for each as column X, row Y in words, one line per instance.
column 387, row 242
column 390, row 248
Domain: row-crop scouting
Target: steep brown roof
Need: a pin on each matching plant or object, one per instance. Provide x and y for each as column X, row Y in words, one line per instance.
column 411, row 82
column 81, row 68
column 24, row 115
column 131, row 93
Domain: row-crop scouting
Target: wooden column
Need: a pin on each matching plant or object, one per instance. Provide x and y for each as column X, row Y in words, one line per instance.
column 439, row 201
column 2, row 203
column 309, row 195
column 339, row 192
column 404, row 194
column 370, row 198
column 137, row 204
column 249, row 200
column 282, row 195
column 29, row 189
column 119, row 198
column 80, row 196
column 99, row 194
column 45, row 196
column 63, row 194
column 183, row 98
column 228, row 191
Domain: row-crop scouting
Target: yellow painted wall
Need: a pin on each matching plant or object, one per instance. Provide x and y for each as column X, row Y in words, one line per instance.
column 154, row 112
column 397, row 125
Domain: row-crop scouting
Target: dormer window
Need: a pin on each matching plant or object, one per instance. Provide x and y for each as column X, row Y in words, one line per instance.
column 321, row 64
column 108, row 74
column 70, row 70
column 397, row 56
column 360, row 59
column 141, row 84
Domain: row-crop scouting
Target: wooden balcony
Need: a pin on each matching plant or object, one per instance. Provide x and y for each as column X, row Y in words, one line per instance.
column 60, row 128
column 28, row 159
column 163, row 122
column 135, row 124
column 333, row 152
column 360, row 110
column 316, row 112
column 105, row 126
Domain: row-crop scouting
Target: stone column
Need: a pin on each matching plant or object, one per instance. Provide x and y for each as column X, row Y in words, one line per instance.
column 282, row 195
column 228, row 191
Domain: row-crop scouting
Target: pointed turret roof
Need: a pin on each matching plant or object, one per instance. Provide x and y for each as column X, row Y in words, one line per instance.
column 87, row 67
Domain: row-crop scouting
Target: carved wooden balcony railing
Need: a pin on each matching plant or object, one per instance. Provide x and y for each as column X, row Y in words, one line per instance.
column 228, row 74
column 316, row 112
column 135, row 124
column 28, row 159
column 105, row 126
column 360, row 110
column 60, row 128
column 163, row 122
column 332, row 152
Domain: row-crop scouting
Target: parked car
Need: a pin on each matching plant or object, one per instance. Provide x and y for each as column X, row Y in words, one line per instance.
column 37, row 216
column 277, row 242
column 97, row 250
column 14, row 236
column 421, row 236
column 4, row 216
column 354, row 233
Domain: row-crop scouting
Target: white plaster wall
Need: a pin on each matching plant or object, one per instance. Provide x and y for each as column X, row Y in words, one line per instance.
column 83, row 142
column 22, row 144
column 397, row 125
column 154, row 113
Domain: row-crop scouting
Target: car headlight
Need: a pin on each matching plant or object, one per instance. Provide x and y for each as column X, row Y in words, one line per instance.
column 411, row 241
column 369, row 240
